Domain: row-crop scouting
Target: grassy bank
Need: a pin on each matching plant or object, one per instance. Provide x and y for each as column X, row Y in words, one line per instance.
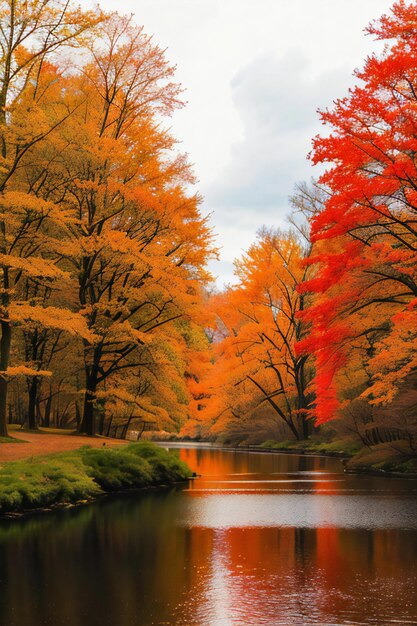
column 342, row 447
column 392, row 458
column 395, row 457
column 85, row 474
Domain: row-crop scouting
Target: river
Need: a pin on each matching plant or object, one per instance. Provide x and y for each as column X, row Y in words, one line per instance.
column 258, row 539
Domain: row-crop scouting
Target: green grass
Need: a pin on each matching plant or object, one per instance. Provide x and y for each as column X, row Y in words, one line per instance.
column 85, row 474
column 345, row 446
column 403, row 467
column 277, row 445
column 387, row 457
column 11, row 440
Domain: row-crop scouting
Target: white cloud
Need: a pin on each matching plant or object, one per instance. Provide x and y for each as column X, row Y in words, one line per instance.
column 277, row 100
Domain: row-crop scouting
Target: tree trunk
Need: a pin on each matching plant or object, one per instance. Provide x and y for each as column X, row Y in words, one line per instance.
column 305, row 424
column 77, row 415
column 38, row 412
column 33, row 396
column 48, row 407
column 20, row 410
column 126, row 429
column 5, row 344
column 88, row 425
column 101, row 416
column 305, row 427
column 109, row 426
column 296, row 431
column 141, row 432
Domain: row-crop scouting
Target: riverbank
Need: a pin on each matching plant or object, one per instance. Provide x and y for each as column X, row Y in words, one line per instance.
column 389, row 459
column 84, row 475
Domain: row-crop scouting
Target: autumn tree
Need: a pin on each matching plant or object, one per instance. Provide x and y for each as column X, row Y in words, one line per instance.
column 199, row 366
column 157, row 395
column 138, row 242
column 257, row 360
column 31, row 32
column 365, row 239
column 103, row 241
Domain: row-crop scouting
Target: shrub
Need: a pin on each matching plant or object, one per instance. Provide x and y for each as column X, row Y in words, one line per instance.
column 117, row 469
column 42, row 482
column 84, row 474
column 166, row 467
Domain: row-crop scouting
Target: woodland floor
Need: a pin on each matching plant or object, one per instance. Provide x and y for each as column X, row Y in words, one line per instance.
column 35, row 444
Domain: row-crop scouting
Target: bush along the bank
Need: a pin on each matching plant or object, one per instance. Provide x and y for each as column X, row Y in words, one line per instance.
column 85, row 474
column 340, row 447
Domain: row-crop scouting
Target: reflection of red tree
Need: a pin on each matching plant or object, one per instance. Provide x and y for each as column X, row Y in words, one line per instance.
column 325, row 573
column 269, row 573
column 266, row 575
column 260, row 551
column 330, row 569
column 328, row 556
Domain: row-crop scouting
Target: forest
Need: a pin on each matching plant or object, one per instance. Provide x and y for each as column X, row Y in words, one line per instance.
column 111, row 323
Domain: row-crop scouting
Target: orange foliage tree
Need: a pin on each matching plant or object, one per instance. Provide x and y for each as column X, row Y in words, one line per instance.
column 30, row 33
column 257, row 363
column 103, row 240
column 141, row 242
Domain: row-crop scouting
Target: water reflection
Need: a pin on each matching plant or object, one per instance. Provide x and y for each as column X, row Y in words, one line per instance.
column 168, row 559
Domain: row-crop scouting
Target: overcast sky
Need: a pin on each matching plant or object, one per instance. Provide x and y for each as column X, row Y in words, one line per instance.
column 255, row 72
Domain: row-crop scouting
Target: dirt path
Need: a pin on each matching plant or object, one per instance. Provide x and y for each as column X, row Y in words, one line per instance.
column 45, row 443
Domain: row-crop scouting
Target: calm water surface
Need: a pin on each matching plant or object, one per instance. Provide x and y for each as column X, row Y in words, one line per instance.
column 258, row 539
